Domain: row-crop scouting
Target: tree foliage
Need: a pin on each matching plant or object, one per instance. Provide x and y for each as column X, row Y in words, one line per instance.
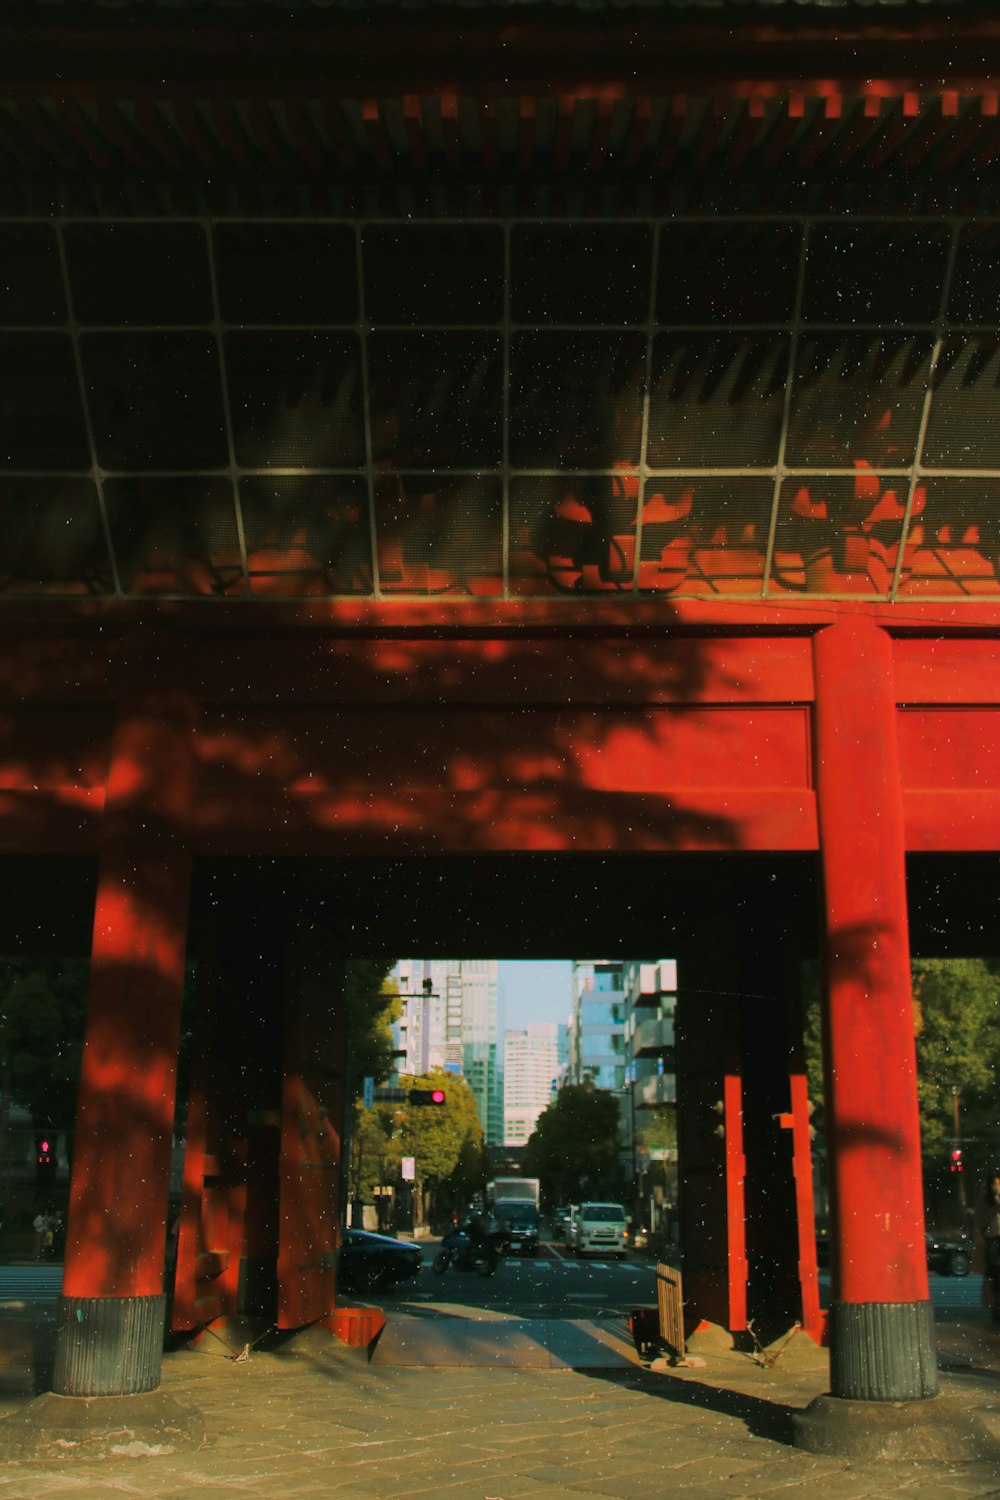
column 435, row 1136
column 574, row 1148
column 957, row 1019
column 373, row 1003
column 658, row 1128
column 446, row 1141
column 956, row 1022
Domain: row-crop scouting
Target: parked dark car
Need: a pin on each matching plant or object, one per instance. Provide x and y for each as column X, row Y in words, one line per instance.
column 945, row 1256
column 948, row 1257
column 374, row 1262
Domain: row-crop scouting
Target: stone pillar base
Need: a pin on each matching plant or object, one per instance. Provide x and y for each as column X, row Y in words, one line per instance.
column 108, row 1346
column 883, row 1351
column 933, row 1430
column 56, row 1428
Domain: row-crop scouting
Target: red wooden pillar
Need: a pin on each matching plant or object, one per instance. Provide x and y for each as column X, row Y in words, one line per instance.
column 710, row 1134
column 229, row 1223
column 882, row 1343
column 312, row 1128
column 112, row 1308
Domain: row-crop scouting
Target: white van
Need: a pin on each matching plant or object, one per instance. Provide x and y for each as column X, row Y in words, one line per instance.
column 599, row 1229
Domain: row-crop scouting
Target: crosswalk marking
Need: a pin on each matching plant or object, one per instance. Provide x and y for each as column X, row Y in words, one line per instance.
column 19, row 1284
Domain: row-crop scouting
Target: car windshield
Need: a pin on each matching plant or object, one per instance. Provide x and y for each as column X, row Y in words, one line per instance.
column 603, row 1213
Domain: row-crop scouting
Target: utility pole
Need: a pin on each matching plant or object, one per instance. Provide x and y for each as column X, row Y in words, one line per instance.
column 957, row 1147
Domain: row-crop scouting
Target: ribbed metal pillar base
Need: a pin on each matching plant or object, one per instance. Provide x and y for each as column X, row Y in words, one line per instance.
column 108, row 1346
column 883, row 1351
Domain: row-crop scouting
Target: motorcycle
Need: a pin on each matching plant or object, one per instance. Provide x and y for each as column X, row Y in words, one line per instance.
column 463, row 1254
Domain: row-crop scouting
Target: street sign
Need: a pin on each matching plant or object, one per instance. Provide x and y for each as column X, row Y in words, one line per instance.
column 408, row 1169
column 369, row 1094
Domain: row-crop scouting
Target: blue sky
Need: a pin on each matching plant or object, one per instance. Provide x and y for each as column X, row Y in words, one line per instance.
column 535, row 990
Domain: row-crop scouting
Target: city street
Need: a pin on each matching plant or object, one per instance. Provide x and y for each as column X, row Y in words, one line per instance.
column 553, row 1285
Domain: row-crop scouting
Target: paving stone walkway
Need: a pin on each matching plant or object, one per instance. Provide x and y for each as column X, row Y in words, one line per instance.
column 315, row 1419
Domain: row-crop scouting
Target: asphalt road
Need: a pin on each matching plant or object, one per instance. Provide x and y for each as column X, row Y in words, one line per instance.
column 555, row 1285
column 558, row 1285
column 552, row 1284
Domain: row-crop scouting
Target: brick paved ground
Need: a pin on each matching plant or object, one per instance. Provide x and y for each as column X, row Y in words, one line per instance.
column 315, row 1419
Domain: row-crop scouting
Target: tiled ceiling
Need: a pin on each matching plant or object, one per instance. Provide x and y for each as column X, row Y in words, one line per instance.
column 753, row 407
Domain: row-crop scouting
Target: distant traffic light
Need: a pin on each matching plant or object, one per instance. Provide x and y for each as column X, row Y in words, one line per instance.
column 45, row 1169
column 427, row 1096
column 956, row 1160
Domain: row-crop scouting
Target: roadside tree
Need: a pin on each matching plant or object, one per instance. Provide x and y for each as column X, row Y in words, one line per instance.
column 574, row 1148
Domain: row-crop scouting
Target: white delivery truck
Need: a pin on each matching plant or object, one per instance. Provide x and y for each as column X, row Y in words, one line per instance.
column 523, row 1189
column 598, row 1229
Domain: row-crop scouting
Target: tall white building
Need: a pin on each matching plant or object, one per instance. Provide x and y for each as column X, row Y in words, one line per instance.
column 533, row 1061
column 451, row 1020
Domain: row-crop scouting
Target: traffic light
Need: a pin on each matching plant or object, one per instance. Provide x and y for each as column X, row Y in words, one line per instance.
column 427, row 1096
column 45, row 1168
column 956, row 1160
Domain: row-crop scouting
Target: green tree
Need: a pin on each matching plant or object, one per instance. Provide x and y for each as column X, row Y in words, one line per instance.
column 373, row 1003
column 375, row 1152
column 574, row 1148
column 436, row 1135
column 956, row 1021
column 658, row 1131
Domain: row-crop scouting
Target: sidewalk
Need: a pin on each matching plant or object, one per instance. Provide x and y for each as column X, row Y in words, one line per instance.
column 498, row 1409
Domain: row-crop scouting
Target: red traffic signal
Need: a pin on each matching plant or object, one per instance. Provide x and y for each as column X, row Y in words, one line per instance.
column 427, row 1096
column 956, row 1161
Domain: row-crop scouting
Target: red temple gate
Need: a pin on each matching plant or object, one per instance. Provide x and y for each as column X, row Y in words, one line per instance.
column 640, row 498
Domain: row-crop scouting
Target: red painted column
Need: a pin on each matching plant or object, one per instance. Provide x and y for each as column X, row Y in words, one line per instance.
column 312, row 1120
column 112, row 1308
column 881, row 1324
column 710, row 1132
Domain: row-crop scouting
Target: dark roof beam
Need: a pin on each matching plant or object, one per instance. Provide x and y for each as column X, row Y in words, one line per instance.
column 119, row 129
column 195, row 134
column 303, row 132
column 12, row 140
column 708, row 135
column 73, row 120
column 377, row 135
column 638, row 132
column 226, row 123
column 938, row 120
column 904, row 112
column 858, row 132
column 46, row 132
column 526, row 132
column 748, row 131
column 974, row 128
column 158, row 134
column 672, row 132
column 448, row 106
column 416, row 139
column 601, row 134
column 826, row 122
column 788, row 123
column 340, row 138
column 260, row 116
